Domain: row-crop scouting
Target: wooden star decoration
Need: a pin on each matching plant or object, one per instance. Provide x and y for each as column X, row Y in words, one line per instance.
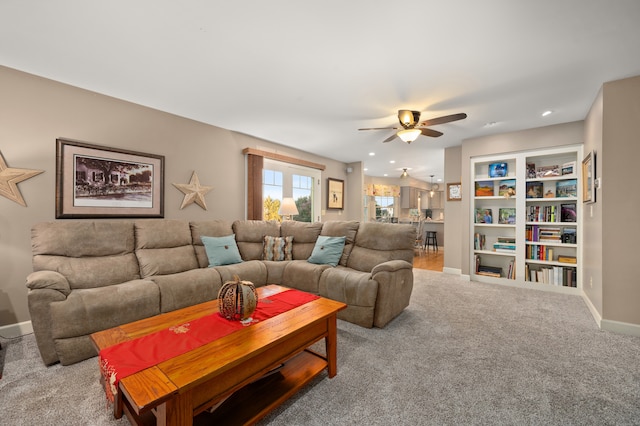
column 193, row 192
column 9, row 179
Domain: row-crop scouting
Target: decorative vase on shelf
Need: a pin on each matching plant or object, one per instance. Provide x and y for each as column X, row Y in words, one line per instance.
column 237, row 299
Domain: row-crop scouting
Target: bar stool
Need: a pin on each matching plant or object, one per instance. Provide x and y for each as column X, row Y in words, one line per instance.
column 431, row 240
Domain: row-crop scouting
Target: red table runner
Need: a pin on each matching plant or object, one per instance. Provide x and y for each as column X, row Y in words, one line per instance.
column 126, row 358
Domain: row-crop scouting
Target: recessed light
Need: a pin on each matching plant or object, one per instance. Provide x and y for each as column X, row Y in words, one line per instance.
column 366, row 170
column 548, row 112
column 385, row 174
column 372, row 154
column 392, row 161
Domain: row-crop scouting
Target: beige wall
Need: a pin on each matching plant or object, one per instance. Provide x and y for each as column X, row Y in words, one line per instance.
column 619, row 202
column 453, row 212
column 592, row 214
column 35, row 111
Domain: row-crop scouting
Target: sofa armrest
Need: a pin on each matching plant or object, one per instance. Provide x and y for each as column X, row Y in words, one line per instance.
column 395, row 284
column 51, row 280
column 391, row 266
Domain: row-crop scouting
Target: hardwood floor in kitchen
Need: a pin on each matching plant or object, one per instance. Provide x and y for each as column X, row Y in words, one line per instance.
column 432, row 260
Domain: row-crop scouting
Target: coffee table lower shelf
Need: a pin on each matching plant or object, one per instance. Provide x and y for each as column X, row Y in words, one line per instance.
column 256, row 400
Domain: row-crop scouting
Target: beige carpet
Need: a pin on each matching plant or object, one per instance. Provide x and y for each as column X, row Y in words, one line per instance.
column 462, row 353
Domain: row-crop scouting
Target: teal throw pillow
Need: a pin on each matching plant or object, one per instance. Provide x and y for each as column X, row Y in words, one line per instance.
column 327, row 250
column 221, row 250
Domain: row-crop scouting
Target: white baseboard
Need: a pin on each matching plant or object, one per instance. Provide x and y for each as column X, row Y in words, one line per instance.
column 621, row 327
column 452, row 271
column 594, row 312
column 12, row 331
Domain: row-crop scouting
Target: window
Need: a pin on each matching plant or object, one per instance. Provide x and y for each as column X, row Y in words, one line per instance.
column 384, row 208
column 280, row 180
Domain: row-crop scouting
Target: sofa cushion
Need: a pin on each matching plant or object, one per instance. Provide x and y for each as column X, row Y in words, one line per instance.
column 304, row 236
column 277, row 248
column 221, row 250
column 380, row 242
column 250, row 236
column 249, row 270
column 187, row 288
column 327, row 250
column 209, row 228
column 164, row 247
column 103, row 256
column 337, row 228
column 302, row 275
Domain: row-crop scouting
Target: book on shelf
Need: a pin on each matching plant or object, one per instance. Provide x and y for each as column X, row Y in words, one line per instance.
column 567, row 188
column 540, row 252
column 497, row 170
column 511, row 270
column 479, row 241
column 484, row 216
column 504, row 247
column 531, row 170
column 508, row 240
column 548, row 171
column 543, row 214
column 554, row 275
column 534, row 189
column 489, row 271
column 568, row 212
column 567, row 259
column 569, row 236
column 507, row 216
column 507, row 188
column 568, row 168
column 484, row 188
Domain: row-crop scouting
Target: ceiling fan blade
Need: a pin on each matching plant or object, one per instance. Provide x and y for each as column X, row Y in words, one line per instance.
column 380, row 128
column 444, row 119
column 430, row 132
column 390, row 138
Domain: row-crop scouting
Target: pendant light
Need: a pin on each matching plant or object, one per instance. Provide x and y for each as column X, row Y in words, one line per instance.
column 404, row 174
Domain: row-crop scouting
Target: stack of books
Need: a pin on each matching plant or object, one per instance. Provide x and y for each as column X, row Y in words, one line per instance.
column 505, row 245
column 554, row 275
column 549, row 235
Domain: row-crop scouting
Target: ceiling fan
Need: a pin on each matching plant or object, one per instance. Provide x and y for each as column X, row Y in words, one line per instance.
column 412, row 128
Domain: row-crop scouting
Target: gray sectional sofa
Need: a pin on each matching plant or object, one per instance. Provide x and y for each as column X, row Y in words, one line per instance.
column 93, row 275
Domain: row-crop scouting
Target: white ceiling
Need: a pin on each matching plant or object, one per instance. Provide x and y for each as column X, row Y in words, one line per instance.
column 309, row 74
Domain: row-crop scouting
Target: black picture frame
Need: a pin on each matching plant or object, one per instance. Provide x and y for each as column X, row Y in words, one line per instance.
column 94, row 181
column 335, row 194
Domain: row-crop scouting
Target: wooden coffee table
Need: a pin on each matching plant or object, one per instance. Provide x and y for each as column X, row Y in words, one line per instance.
column 236, row 379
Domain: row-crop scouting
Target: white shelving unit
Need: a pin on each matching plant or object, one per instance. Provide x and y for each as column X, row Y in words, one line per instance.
column 533, row 229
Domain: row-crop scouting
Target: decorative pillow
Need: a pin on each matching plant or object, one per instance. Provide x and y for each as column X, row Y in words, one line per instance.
column 277, row 248
column 221, row 250
column 327, row 250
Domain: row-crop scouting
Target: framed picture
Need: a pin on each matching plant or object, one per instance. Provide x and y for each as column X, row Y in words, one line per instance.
column 588, row 178
column 483, row 215
column 454, row 191
column 95, row 181
column 335, row 194
column 497, row 170
column 484, row 188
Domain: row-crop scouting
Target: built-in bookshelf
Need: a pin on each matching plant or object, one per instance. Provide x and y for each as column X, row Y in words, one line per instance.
column 525, row 218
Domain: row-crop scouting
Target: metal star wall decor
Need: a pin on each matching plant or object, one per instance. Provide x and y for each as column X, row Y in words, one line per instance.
column 9, row 179
column 193, row 192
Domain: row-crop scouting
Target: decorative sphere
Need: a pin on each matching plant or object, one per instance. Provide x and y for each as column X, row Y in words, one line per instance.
column 237, row 299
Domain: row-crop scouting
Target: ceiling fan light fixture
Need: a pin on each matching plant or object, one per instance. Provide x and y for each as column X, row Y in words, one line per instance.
column 409, row 135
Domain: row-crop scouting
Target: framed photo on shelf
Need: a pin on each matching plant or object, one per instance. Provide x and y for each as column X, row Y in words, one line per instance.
column 335, row 194
column 507, row 216
column 484, row 188
column 568, row 213
column 497, row 170
column 567, row 188
column 535, row 189
column 95, row 181
column 454, row 191
column 588, row 178
column 484, row 216
column 507, row 188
